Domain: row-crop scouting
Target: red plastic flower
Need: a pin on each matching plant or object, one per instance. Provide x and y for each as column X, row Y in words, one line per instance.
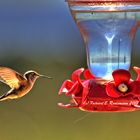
column 96, row 94
column 123, row 85
column 76, row 87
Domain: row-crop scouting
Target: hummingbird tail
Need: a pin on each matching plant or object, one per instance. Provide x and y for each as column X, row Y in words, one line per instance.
column 3, row 97
column 7, row 97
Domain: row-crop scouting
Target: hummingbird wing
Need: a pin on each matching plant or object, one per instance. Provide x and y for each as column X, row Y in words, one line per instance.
column 11, row 77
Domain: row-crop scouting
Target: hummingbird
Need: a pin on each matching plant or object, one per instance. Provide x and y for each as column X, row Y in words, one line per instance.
column 20, row 84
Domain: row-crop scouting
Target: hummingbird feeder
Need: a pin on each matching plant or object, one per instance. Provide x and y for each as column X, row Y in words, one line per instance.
column 108, row 28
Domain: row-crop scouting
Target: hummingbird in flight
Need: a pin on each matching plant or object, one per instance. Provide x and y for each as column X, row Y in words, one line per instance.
column 20, row 84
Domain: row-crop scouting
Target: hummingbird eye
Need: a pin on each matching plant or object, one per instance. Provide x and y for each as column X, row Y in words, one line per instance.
column 33, row 74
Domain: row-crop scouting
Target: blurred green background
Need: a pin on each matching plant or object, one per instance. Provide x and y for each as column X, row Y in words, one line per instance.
column 41, row 35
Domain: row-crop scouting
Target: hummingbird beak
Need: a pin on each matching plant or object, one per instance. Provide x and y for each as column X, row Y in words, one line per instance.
column 45, row 76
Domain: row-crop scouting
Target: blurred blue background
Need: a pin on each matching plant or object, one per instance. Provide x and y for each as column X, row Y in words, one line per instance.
column 39, row 28
column 41, row 35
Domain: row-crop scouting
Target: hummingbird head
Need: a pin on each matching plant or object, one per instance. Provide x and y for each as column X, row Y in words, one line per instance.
column 33, row 75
